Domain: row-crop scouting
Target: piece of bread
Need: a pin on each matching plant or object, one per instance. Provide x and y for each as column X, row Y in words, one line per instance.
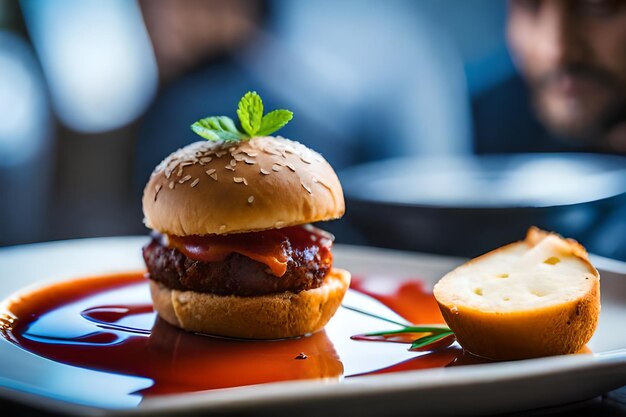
column 273, row 316
column 537, row 297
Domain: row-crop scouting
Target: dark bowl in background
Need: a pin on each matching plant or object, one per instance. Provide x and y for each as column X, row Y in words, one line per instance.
column 465, row 206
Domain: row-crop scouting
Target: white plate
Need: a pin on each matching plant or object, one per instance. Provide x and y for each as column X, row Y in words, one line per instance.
column 488, row 388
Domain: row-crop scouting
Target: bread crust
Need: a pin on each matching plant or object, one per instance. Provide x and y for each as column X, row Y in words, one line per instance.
column 222, row 188
column 274, row 316
column 555, row 329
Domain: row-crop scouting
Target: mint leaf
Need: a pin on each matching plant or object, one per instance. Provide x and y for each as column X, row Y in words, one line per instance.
column 253, row 123
column 217, row 128
column 273, row 121
column 250, row 112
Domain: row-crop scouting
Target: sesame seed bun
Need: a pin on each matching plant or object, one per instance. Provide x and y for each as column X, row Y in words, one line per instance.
column 222, row 188
column 274, row 316
column 537, row 297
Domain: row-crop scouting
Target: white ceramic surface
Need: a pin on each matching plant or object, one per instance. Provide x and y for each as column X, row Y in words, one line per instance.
column 489, row 388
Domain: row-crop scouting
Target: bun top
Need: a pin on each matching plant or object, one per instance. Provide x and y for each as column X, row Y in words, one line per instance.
column 224, row 187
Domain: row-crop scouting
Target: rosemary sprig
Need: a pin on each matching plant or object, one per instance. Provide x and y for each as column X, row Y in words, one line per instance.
column 414, row 329
column 434, row 333
column 425, row 341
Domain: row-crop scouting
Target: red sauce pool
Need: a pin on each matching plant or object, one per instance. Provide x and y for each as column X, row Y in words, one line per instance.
column 107, row 324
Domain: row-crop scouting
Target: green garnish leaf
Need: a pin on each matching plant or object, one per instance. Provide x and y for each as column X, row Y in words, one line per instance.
column 273, row 121
column 217, row 128
column 253, row 123
column 427, row 340
column 250, row 112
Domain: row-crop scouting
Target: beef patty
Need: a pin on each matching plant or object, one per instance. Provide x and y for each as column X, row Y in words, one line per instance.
column 236, row 274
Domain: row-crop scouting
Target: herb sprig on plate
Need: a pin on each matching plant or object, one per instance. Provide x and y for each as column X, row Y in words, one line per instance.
column 432, row 335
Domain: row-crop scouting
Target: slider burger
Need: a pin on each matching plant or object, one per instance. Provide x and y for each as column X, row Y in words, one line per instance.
column 232, row 251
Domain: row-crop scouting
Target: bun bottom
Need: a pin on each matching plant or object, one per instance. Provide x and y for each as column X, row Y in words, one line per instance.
column 274, row 316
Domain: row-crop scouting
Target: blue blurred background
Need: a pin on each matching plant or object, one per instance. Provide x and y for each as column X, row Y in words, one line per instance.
column 93, row 94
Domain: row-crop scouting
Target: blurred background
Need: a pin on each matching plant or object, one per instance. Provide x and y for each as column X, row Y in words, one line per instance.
column 453, row 125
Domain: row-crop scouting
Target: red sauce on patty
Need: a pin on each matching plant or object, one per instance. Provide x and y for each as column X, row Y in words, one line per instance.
column 272, row 247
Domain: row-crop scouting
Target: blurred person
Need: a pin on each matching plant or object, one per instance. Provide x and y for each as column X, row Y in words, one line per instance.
column 572, row 92
column 570, row 95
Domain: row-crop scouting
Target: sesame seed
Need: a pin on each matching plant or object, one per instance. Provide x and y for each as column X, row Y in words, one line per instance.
column 305, row 159
column 184, row 179
column 210, row 171
column 291, row 167
column 229, row 168
column 245, row 182
column 264, row 171
column 214, row 176
column 222, row 227
column 238, row 179
column 306, row 188
column 206, row 159
column 323, row 184
column 276, row 168
column 271, row 152
column 171, row 185
column 157, row 188
column 168, row 173
column 233, row 163
column 220, row 154
column 195, row 182
column 184, row 164
column 249, row 161
column 250, row 199
column 251, row 154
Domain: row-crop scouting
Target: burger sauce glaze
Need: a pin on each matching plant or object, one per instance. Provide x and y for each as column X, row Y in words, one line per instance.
column 270, row 247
